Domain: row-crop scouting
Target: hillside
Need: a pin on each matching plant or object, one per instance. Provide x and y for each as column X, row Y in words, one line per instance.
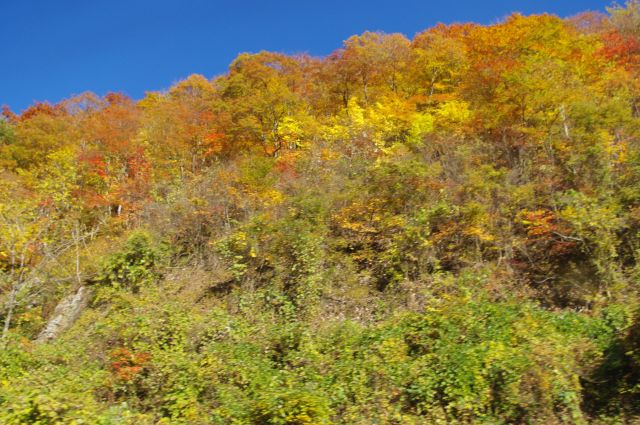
column 437, row 230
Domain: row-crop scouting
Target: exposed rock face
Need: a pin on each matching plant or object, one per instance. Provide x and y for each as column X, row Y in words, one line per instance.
column 65, row 314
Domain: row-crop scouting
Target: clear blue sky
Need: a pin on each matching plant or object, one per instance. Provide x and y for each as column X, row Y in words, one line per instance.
column 54, row 49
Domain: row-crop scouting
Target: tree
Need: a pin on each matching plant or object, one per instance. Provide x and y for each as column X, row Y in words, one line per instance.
column 27, row 245
column 376, row 60
column 439, row 60
column 260, row 94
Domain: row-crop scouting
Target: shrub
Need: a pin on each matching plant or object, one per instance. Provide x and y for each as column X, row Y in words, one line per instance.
column 135, row 265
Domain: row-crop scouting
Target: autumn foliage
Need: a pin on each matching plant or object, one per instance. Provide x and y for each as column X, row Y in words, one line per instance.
column 437, row 230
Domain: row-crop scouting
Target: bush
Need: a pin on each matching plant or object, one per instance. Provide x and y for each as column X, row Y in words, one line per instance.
column 135, row 265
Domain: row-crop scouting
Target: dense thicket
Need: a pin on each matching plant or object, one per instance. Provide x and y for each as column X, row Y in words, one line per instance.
column 437, row 230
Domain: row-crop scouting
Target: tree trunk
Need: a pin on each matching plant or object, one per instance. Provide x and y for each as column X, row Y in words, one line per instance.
column 7, row 320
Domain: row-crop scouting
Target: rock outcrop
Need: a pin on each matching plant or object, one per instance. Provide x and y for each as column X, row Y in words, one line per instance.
column 66, row 313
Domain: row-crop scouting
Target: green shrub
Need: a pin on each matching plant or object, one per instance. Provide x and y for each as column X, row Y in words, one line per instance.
column 291, row 407
column 134, row 266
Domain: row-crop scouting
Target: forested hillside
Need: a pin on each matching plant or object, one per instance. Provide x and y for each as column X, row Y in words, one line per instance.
column 437, row 230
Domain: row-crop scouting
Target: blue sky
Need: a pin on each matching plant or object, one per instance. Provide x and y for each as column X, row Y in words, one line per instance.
column 54, row 49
